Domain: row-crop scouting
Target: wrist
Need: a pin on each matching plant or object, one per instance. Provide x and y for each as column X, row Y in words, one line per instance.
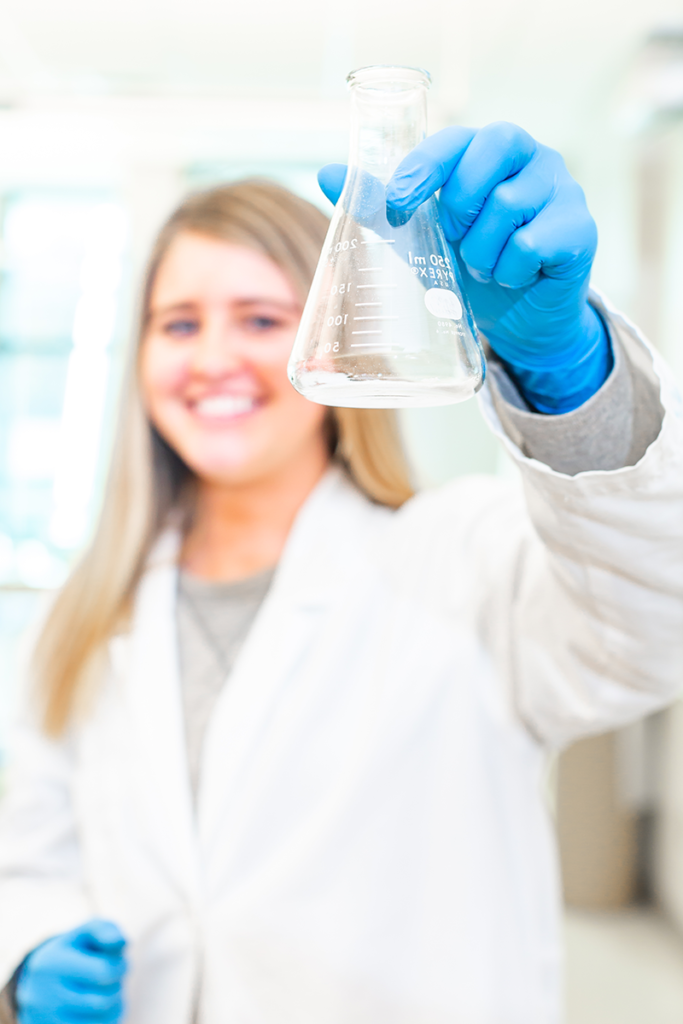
column 11, row 989
column 561, row 381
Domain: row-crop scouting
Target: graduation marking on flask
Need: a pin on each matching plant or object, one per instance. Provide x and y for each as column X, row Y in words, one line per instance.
column 430, row 265
column 343, row 291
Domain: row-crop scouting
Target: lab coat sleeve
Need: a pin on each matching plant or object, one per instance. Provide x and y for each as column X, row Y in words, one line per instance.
column 594, row 638
column 41, row 887
column 7, row 1014
column 613, row 429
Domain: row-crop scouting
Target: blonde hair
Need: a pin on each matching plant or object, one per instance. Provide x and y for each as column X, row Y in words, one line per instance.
column 148, row 480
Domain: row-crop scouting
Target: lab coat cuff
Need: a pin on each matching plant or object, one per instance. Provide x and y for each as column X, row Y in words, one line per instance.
column 611, row 430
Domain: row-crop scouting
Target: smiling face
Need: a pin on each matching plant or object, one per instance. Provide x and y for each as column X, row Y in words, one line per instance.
column 213, row 363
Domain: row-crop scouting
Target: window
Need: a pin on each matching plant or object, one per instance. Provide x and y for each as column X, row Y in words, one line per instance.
column 62, row 268
column 62, row 263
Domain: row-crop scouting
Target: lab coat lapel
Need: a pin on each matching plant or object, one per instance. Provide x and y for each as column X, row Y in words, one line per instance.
column 153, row 698
column 320, row 551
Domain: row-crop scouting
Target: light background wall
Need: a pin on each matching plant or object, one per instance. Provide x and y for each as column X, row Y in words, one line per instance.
column 138, row 100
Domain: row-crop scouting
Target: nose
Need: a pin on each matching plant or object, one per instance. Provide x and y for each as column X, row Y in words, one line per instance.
column 215, row 352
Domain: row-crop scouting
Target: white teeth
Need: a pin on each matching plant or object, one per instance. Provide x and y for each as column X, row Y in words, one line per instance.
column 224, row 405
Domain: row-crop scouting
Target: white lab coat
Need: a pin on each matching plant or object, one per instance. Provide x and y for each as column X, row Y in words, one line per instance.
column 370, row 843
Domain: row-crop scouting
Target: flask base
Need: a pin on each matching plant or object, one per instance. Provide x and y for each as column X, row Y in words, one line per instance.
column 385, row 394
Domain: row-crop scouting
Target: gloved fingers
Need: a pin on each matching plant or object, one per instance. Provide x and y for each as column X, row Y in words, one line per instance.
column 95, row 1006
column 57, row 1003
column 508, row 206
column 331, row 179
column 88, row 969
column 101, row 971
column 559, row 243
column 32, row 993
column 427, row 167
column 417, row 177
column 82, row 987
column 497, row 152
column 113, row 1015
column 91, row 971
column 99, row 935
column 364, row 199
column 449, row 229
column 49, row 992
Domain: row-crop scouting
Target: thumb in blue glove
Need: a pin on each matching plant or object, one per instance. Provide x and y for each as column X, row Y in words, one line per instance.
column 75, row 978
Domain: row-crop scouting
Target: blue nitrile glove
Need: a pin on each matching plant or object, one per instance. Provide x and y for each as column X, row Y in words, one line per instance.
column 74, row 978
column 525, row 242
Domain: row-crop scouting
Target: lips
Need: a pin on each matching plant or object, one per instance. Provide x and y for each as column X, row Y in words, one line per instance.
column 221, row 407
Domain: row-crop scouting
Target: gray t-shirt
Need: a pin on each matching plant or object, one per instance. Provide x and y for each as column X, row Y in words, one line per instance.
column 213, row 620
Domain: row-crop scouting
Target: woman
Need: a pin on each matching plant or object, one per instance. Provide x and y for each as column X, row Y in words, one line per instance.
column 291, row 721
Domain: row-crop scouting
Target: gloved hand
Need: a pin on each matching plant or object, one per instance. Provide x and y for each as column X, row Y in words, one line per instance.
column 525, row 243
column 74, row 978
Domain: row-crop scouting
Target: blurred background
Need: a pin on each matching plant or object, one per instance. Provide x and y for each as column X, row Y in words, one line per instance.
column 110, row 112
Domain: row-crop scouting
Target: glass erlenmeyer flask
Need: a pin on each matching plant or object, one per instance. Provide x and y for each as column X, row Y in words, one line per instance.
column 386, row 323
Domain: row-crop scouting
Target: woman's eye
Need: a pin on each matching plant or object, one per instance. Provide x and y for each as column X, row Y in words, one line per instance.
column 262, row 323
column 181, row 328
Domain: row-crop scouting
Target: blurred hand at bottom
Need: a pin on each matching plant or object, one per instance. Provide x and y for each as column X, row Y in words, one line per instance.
column 75, row 978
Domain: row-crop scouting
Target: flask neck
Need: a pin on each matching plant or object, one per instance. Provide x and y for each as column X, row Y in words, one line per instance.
column 387, row 121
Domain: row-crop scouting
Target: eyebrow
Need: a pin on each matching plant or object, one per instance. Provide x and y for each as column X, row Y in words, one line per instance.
column 257, row 300
column 261, row 300
column 176, row 307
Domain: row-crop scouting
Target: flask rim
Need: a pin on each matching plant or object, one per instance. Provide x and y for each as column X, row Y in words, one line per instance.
column 374, row 75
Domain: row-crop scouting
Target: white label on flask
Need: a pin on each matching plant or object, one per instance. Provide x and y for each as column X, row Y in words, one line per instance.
column 442, row 303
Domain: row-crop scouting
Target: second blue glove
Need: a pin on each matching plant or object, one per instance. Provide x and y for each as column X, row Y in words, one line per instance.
column 74, row 978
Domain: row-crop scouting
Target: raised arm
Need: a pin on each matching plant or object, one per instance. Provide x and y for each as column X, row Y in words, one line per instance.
column 578, row 588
